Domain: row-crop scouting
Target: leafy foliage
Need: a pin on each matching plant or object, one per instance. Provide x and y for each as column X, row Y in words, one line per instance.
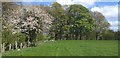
column 101, row 24
column 75, row 20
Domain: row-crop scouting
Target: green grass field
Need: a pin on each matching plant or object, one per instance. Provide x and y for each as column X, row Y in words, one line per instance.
column 70, row 48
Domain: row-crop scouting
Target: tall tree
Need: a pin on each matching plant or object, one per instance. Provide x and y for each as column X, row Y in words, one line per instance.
column 101, row 24
column 80, row 20
column 60, row 19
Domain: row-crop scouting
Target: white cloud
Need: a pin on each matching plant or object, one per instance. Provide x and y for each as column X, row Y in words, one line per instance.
column 114, row 23
column 111, row 14
column 107, row 11
column 36, row 0
column 115, row 28
column 55, row 0
column 65, row 2
column 86, row 3
column 26, row 0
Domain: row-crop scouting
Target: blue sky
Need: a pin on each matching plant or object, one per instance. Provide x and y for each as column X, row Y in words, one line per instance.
column 62, row 0
column 109, row 8
column 110, row 11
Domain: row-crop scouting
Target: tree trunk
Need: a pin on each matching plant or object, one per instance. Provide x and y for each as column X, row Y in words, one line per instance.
column 60, row 36
column 87, row 37
column 80, row 37
column 16, row 44
column 71, row 36
column 67, row 37
column 21, row 45
column 10, row 46
column 75, row 36
column 25, row 45
column 3, row 47
column 0, row 48
column 97, row 35
column 28, row 43
column 55, row 36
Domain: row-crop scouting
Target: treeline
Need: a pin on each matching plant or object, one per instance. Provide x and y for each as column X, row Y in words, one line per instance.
column 75, row 22
column 23, row 26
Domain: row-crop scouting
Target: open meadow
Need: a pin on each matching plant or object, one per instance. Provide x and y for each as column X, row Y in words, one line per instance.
column 70, row 48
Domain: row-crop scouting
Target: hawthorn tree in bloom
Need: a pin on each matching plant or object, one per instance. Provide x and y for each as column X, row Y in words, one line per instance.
column 34, row 22
column 23, row 24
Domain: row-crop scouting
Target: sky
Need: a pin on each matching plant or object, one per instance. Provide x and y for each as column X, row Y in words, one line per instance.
column 57, row 0
column 110, row 11
column 109, row 8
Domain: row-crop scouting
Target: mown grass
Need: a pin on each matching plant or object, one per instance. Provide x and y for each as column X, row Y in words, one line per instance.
column 70, row 48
